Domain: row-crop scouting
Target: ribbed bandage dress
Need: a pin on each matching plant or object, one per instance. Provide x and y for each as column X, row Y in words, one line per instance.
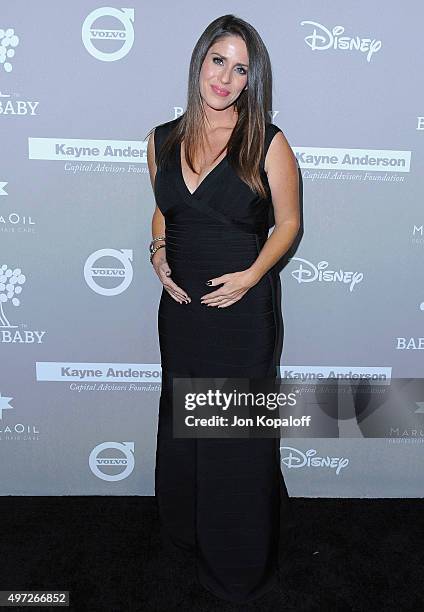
column 222, row 498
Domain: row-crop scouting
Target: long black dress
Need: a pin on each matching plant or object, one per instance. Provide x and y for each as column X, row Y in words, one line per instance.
column 224, row 499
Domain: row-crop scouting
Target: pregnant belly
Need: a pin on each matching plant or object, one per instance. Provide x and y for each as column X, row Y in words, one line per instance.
column 196, row 257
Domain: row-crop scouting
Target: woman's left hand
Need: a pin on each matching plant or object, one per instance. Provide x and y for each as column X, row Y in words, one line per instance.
column 234, row 286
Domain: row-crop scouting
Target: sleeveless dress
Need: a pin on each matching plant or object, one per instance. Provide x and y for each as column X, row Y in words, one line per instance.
column 223, row 499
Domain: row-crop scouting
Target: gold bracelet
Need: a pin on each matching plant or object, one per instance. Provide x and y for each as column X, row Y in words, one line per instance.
column 154, row 251
column 155, row 240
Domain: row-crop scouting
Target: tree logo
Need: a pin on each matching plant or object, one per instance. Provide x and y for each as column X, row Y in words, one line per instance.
column 8, row 42
column 11, row 282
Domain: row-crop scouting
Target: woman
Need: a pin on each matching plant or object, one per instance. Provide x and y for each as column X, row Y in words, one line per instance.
column 221, row 173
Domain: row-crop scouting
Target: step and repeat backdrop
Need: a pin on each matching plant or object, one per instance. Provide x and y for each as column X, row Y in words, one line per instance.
column 81, row 84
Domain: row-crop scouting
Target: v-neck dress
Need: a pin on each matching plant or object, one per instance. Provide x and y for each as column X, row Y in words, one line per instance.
column 224, row 499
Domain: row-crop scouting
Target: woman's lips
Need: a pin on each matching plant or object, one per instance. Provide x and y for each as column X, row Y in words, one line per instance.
column 220, row 92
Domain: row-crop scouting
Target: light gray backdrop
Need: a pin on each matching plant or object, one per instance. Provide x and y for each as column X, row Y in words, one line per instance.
column 80, row 86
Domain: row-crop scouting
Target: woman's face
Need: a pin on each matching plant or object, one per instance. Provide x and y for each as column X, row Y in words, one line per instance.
column 223, row 75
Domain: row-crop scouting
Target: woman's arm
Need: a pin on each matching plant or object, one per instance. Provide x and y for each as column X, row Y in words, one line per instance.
column 158, row 220
column 283, row 179
column 159, row 261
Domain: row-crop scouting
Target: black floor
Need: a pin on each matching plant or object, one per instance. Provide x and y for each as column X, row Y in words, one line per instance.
column 363, row 555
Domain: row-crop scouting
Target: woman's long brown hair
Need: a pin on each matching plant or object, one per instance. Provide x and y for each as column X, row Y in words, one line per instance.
column 245, row 148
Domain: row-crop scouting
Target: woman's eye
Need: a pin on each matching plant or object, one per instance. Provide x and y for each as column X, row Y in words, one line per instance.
column 243, row 71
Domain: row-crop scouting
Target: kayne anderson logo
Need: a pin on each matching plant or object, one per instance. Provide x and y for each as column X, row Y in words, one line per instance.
column 322, row 39
column 307, row 272
column 8, row 42
column 97, row 372
column 101, row 42
column 294, row 458
column 14, row 430
column 109, row 272
column 370, row 164
column 308, row 373
column 112, row 461
column 74, row 151
column 11, row 283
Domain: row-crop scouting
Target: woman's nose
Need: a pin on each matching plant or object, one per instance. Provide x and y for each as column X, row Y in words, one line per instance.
column 226, row 76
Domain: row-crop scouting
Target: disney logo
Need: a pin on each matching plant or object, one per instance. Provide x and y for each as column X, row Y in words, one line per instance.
column 297, row 459
column 310, row 273
column 326, row 39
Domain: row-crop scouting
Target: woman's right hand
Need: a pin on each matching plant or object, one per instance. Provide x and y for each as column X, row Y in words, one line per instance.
column 164, row 273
